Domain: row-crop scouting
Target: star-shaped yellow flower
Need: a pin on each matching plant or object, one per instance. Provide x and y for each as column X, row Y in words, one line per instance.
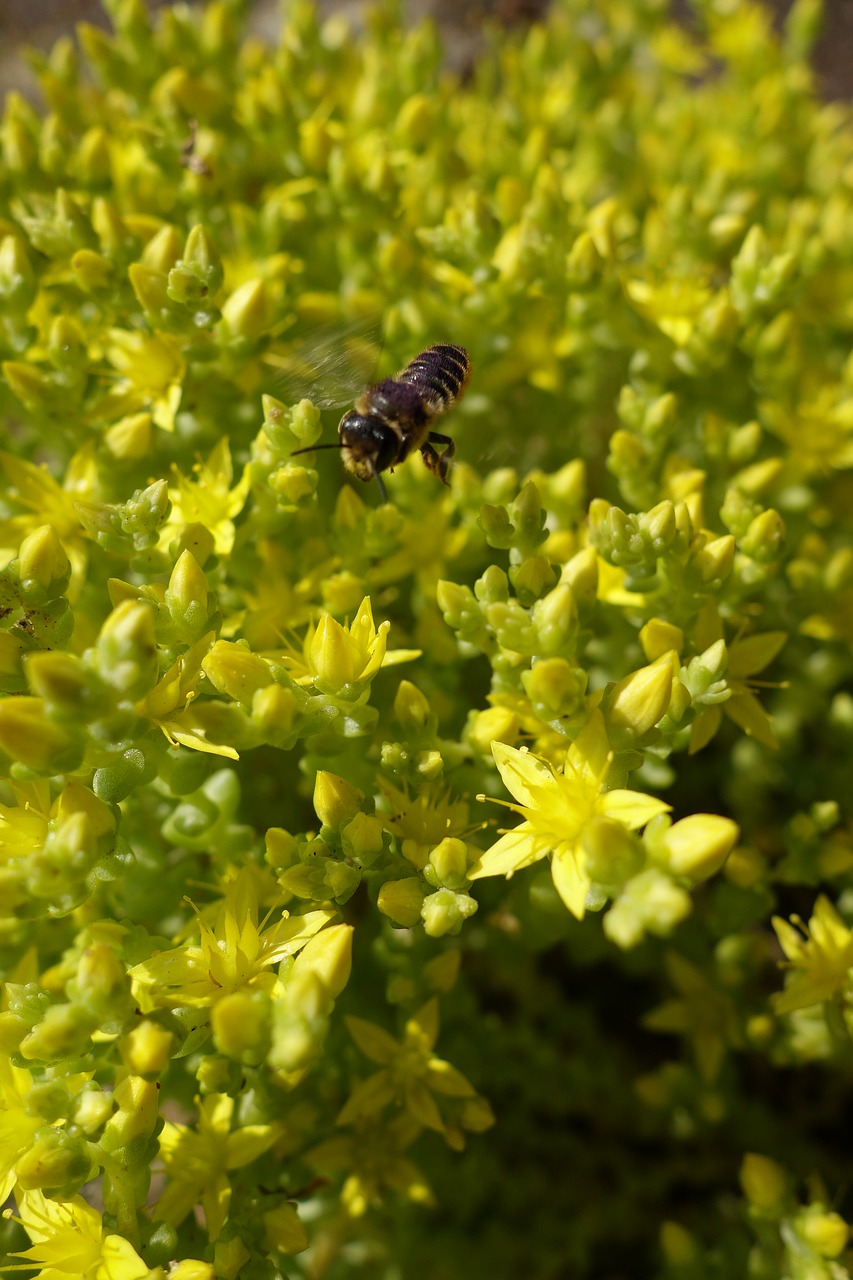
column 820, row 956
column 198, row 1161
column 557, row 807
column 236, row 953
column 410, row 1073
column 69, row 1242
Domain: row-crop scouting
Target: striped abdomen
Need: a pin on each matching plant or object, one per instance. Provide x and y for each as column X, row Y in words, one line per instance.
column 440, row 374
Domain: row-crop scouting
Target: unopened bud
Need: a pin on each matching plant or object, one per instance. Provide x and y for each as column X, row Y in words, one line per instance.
column 764, row 1181
column 402, row 900
column 639, row 701
column 698, row 846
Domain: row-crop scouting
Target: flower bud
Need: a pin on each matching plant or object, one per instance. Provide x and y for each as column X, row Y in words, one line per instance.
column 56, row 1159
column 192, row 1269
column 361, row 838
column 493, row 587
column 457, row 603
column 402, row 900
column 129, row 439
column 497, row 526
column 764, row 1182
column 659, row 525
column 444, row 912
column 638, row 702
column 127, row 649
column 292, row 484
column 146, row 1049
column 274, row 711
column 101, row 981
column 583, row 262
column 764, row 538
column 246, row 313
column 713, row 562
column 241, row 1025
column 281, row 850
column 92, row 272
column 136, row 1114
column 581, row 574
column 331, row 655
column 658, row 637
column 229, row 1260
column 497, row 724
column 233, row 669
column 43, row 567
column 163, row 249
column 283, row 1231
column 554, row 685
column 186, row 596
column 29, row 736
column 90, row 1110
column 449, row 863
column 150, row 289
column 328, row 955
column 554, row 617
column 17, row 278
column 698, row 846
column 649, row 903
column 827, row 1233
column 531, row 578
column 677, row 1245
column 411, row 708
column 63, row 1032
column 335, row 800
column 613, row 854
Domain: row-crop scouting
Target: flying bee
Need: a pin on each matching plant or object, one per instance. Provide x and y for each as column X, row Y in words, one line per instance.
column 394, row 417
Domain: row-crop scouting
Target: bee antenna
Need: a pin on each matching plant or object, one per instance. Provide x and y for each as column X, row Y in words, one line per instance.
column 311, row 448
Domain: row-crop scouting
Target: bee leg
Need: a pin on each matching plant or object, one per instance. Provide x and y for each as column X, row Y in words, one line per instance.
column 438, row 465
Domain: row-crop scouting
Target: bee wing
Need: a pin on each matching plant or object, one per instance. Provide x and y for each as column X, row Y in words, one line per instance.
column 330, row 365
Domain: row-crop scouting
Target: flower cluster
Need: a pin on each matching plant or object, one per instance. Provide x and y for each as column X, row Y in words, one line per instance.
column 279, row 994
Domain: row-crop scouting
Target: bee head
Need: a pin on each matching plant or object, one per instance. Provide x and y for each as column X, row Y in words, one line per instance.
column 369, row 444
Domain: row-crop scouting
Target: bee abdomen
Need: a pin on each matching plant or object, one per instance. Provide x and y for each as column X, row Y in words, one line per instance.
column 441, row 372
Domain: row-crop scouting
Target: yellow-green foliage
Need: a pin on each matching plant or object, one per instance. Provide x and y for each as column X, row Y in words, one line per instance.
column 283, row 994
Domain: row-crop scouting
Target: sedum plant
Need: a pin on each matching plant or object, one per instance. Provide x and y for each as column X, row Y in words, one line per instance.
column 285, row 992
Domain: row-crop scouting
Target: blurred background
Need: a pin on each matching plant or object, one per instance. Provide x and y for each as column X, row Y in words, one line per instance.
column 40, row 22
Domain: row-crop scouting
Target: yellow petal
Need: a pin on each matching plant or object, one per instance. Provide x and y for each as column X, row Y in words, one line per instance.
column 517, row 849
column 525, row 776
column 754, row 653
column 373, row 1042
column 570, row 878
column 632, row 808
column 748, row 713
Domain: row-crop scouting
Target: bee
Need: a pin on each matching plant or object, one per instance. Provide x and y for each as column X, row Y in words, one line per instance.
column 394, row 416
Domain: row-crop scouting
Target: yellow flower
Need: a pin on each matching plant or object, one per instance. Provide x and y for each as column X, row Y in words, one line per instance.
column 373, row 1159
column 746, row 657
column 47, row 502
column 701, row 1011
column 557, row 808
column 341, row 660
column 198, row 1161
column 822, row 951
column 69, row 1242
column 421, row 822
column 234, row 954
column 410, row 1072
column 674, row 306
column 169, row 702
column 208, row 500
column 152, row 370
column 17, row 1126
